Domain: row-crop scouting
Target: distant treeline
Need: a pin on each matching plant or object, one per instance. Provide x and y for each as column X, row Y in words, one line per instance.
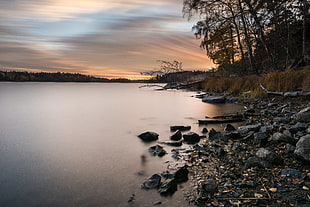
column 53, row 77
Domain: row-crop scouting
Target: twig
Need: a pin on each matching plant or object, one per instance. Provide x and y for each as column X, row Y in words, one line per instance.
column 265, row 188
column 243, row 198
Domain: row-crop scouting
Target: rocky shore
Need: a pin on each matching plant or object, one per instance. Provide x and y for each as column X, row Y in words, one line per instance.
column 264, row 162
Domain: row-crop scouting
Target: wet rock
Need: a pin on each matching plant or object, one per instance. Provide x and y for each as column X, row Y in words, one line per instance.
column 172, row 143
column 168, row 187
column 180, row 128
column 229, row 128
column 232, row 135
column 302, row 150
column 181, row 175
column 292, row 173
column 148, row 136
column 269, row 156
column 152, row 182
column 260, row 138
column 157, row 150
column 213, row 134
column 204, row 130
column 191, row 138
column 247, row 128
column 176, row 136
column 303, row 115
column 210, row 186
column 214, row 99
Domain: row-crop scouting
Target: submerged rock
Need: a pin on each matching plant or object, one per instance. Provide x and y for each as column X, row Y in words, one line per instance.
column 214, row 99
column 172, row 143
column 157, row 150
column 168, row 187
column 191, row 138
column 152, row 182
column 180, row 128
column 148, row 136
column 181, row 175
column 229, row 128
column 176, row 136
column 302, row 150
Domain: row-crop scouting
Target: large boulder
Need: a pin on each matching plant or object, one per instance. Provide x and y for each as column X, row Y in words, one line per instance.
column 152, row 182
column 148, row 136
column 303, row 115
column 191, row 138
column 302, row 150
column 214, row 99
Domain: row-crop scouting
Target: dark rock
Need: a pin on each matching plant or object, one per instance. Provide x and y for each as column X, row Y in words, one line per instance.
column 229, row 128
column 249, row 135
column 204, row 130
column 168, row 187
column 303, row 115
column 292, row 173
column 255, row 162
column 152, row 182
column 181, row 175
column 302, row 150
column 157, row 203
column 210, row 186
column 289, row 149
column 269, row 156
column 260, row 138
column 247, row 128
column 172, row 143
column 191, row 137
column 233, row 135
column 148, row 136
column 213, row 134
column 176, row 136
column 285, row 137
column 214, row 99
column 157, row 150
column 180, row 128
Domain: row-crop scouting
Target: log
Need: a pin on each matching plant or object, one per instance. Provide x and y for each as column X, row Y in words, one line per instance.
column 286, row 94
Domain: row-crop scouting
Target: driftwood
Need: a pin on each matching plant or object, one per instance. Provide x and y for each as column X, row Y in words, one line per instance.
column 222, row 119
column 287, row 94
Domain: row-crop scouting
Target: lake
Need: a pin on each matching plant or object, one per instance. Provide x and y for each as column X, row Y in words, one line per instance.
column 75, row 144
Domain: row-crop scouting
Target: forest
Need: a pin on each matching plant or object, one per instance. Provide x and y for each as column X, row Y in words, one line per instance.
column 252, row 37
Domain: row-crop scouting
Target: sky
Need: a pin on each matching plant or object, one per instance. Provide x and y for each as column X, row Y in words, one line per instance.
column 105, row 38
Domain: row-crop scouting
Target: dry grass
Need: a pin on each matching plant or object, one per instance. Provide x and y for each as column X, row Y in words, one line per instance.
column 288, row 80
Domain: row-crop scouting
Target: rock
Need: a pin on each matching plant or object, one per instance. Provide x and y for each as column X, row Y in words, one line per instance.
column 181, row 175
column 168, row 187
column 191, row 138
column 232, row 135
column 152, row 182
column 210, row 186
column 303, row 115
column 302, row 150
column 176, row 136
column 292, row 173
column 157, row 150
column 283, row 137
column 180, row 128
column 214, row 99
column 247, row 128
column 213, row 134
column 260, row 138
column 229, row 128
column 289, row 149
column 269, row 156
column 204, row 130
column 255, row 162
column 148, row 136
column 172, row 143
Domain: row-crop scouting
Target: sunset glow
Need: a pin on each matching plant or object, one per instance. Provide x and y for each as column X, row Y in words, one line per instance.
column 102, row 38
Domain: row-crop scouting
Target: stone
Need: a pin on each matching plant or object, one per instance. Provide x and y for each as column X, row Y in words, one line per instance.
column 180, row 128
column 271, row 157
column 157, row 150
column 214, row 99
column 204, row 130
column 288, row 172
column 283, row 137
column 176, row 136
column 148, row 136
column 260, row 138
column 303, row 115
column 229, row 128
column 152, row 182
column 255, row 162
column 191, row 138
column 213, row 134
column 210, row 186
column 168, row 187
column 181, row 175
column 172, row 143
column 245, row 129
column 302, row 150
column 233, row 135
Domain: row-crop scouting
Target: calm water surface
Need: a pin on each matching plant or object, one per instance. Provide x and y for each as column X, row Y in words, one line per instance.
column 75, row 144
